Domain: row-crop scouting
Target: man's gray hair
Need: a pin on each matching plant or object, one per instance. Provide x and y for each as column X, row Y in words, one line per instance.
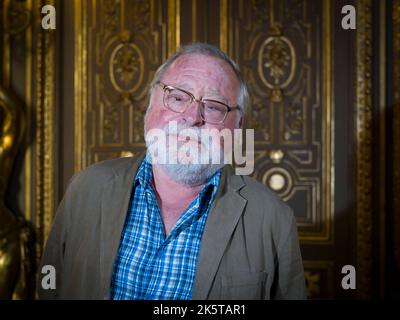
column 243, row 99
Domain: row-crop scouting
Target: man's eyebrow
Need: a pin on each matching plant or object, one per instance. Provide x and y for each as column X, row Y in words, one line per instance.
column 215, row 94
column 183, row 86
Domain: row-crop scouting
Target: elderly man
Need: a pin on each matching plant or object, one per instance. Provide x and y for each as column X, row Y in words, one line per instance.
column 132, row 228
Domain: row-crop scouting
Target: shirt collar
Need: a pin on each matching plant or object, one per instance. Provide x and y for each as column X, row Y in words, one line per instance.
column 144, row 176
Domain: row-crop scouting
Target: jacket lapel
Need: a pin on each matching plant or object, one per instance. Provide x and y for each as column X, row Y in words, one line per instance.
column 114, row 207
column 227, row 209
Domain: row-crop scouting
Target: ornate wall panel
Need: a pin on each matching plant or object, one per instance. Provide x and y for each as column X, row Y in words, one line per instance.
column 120, row 45
column 364, row 129
column 44, row 103
column 284, row 49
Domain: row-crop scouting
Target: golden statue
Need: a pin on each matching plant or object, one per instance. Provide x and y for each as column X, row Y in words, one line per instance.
column 15, row 256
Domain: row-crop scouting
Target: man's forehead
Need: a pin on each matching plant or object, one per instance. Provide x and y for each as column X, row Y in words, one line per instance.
column 188, row 85
column 190, row 57
column 206, row 66
column 200, row 62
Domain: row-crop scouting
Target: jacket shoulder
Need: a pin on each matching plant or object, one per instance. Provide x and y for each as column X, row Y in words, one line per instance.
column 265, row 205
column 103, row 171
column 260, row 193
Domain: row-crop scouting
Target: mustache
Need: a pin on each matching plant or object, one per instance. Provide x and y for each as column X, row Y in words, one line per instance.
column 186, row 133
column 190, row 131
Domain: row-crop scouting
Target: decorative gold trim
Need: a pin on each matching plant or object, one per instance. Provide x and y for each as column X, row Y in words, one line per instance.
column 364, row 130
column 194, row 20
column 289, row 78
column 174, row 21
column 223, row 17
column 313, row 281
column 49, row 105
column 6, row 45
column 396, row 129
column 45, row 119
column 80, row 83
column 324, row 231
column 328, row 129
column 122, row 15
column 28, row 105
column 382, row 144
column 328, row 188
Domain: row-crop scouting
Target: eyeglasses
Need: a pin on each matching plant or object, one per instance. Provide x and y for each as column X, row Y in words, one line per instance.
column 178, row 100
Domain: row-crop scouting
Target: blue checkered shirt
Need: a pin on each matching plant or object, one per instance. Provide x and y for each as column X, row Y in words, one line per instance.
column 148, row 265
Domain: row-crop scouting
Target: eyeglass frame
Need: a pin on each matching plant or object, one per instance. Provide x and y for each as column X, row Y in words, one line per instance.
column 201, row 101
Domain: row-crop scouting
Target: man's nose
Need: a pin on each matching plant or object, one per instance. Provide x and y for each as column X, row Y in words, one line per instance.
column 192, row 114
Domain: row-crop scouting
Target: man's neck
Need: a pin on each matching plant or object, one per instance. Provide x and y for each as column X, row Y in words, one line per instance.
column 173, row 198
column 171, row 192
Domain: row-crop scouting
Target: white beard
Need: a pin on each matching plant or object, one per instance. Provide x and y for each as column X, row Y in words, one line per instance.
column 187, row 170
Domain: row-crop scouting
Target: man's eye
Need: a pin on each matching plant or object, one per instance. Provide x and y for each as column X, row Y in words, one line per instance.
column 176, row 97
column 213, row 108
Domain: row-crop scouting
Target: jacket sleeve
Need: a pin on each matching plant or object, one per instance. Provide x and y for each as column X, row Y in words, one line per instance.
column 289, row 280
column 53, row 254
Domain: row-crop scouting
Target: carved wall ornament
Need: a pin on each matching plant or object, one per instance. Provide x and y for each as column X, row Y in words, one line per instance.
column 126, row 67
column 294, row 121
column 280, row 180
column 276, row 63
column 313, row 283
column 276, row 155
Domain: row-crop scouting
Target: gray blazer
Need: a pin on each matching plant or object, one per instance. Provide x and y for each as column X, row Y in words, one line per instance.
column 249, row 249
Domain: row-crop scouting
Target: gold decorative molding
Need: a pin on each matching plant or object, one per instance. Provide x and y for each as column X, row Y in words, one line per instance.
column 28, row 104
column 16, row 264
column 126, row 67
column 194, row 20
column 174, row 29
column 224, row 20
column 328, row 123
column 276, row 63
column 80, row 82
column 382, row 107
column 396, row 129
column 6, row 65
column 40, row 104
column 364, row 130
column 313, row 284
column 319, row 278
column 44, row 106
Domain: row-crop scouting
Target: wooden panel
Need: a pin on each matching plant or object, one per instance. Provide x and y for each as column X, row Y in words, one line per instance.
column 120, row 46
column 284, row 49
